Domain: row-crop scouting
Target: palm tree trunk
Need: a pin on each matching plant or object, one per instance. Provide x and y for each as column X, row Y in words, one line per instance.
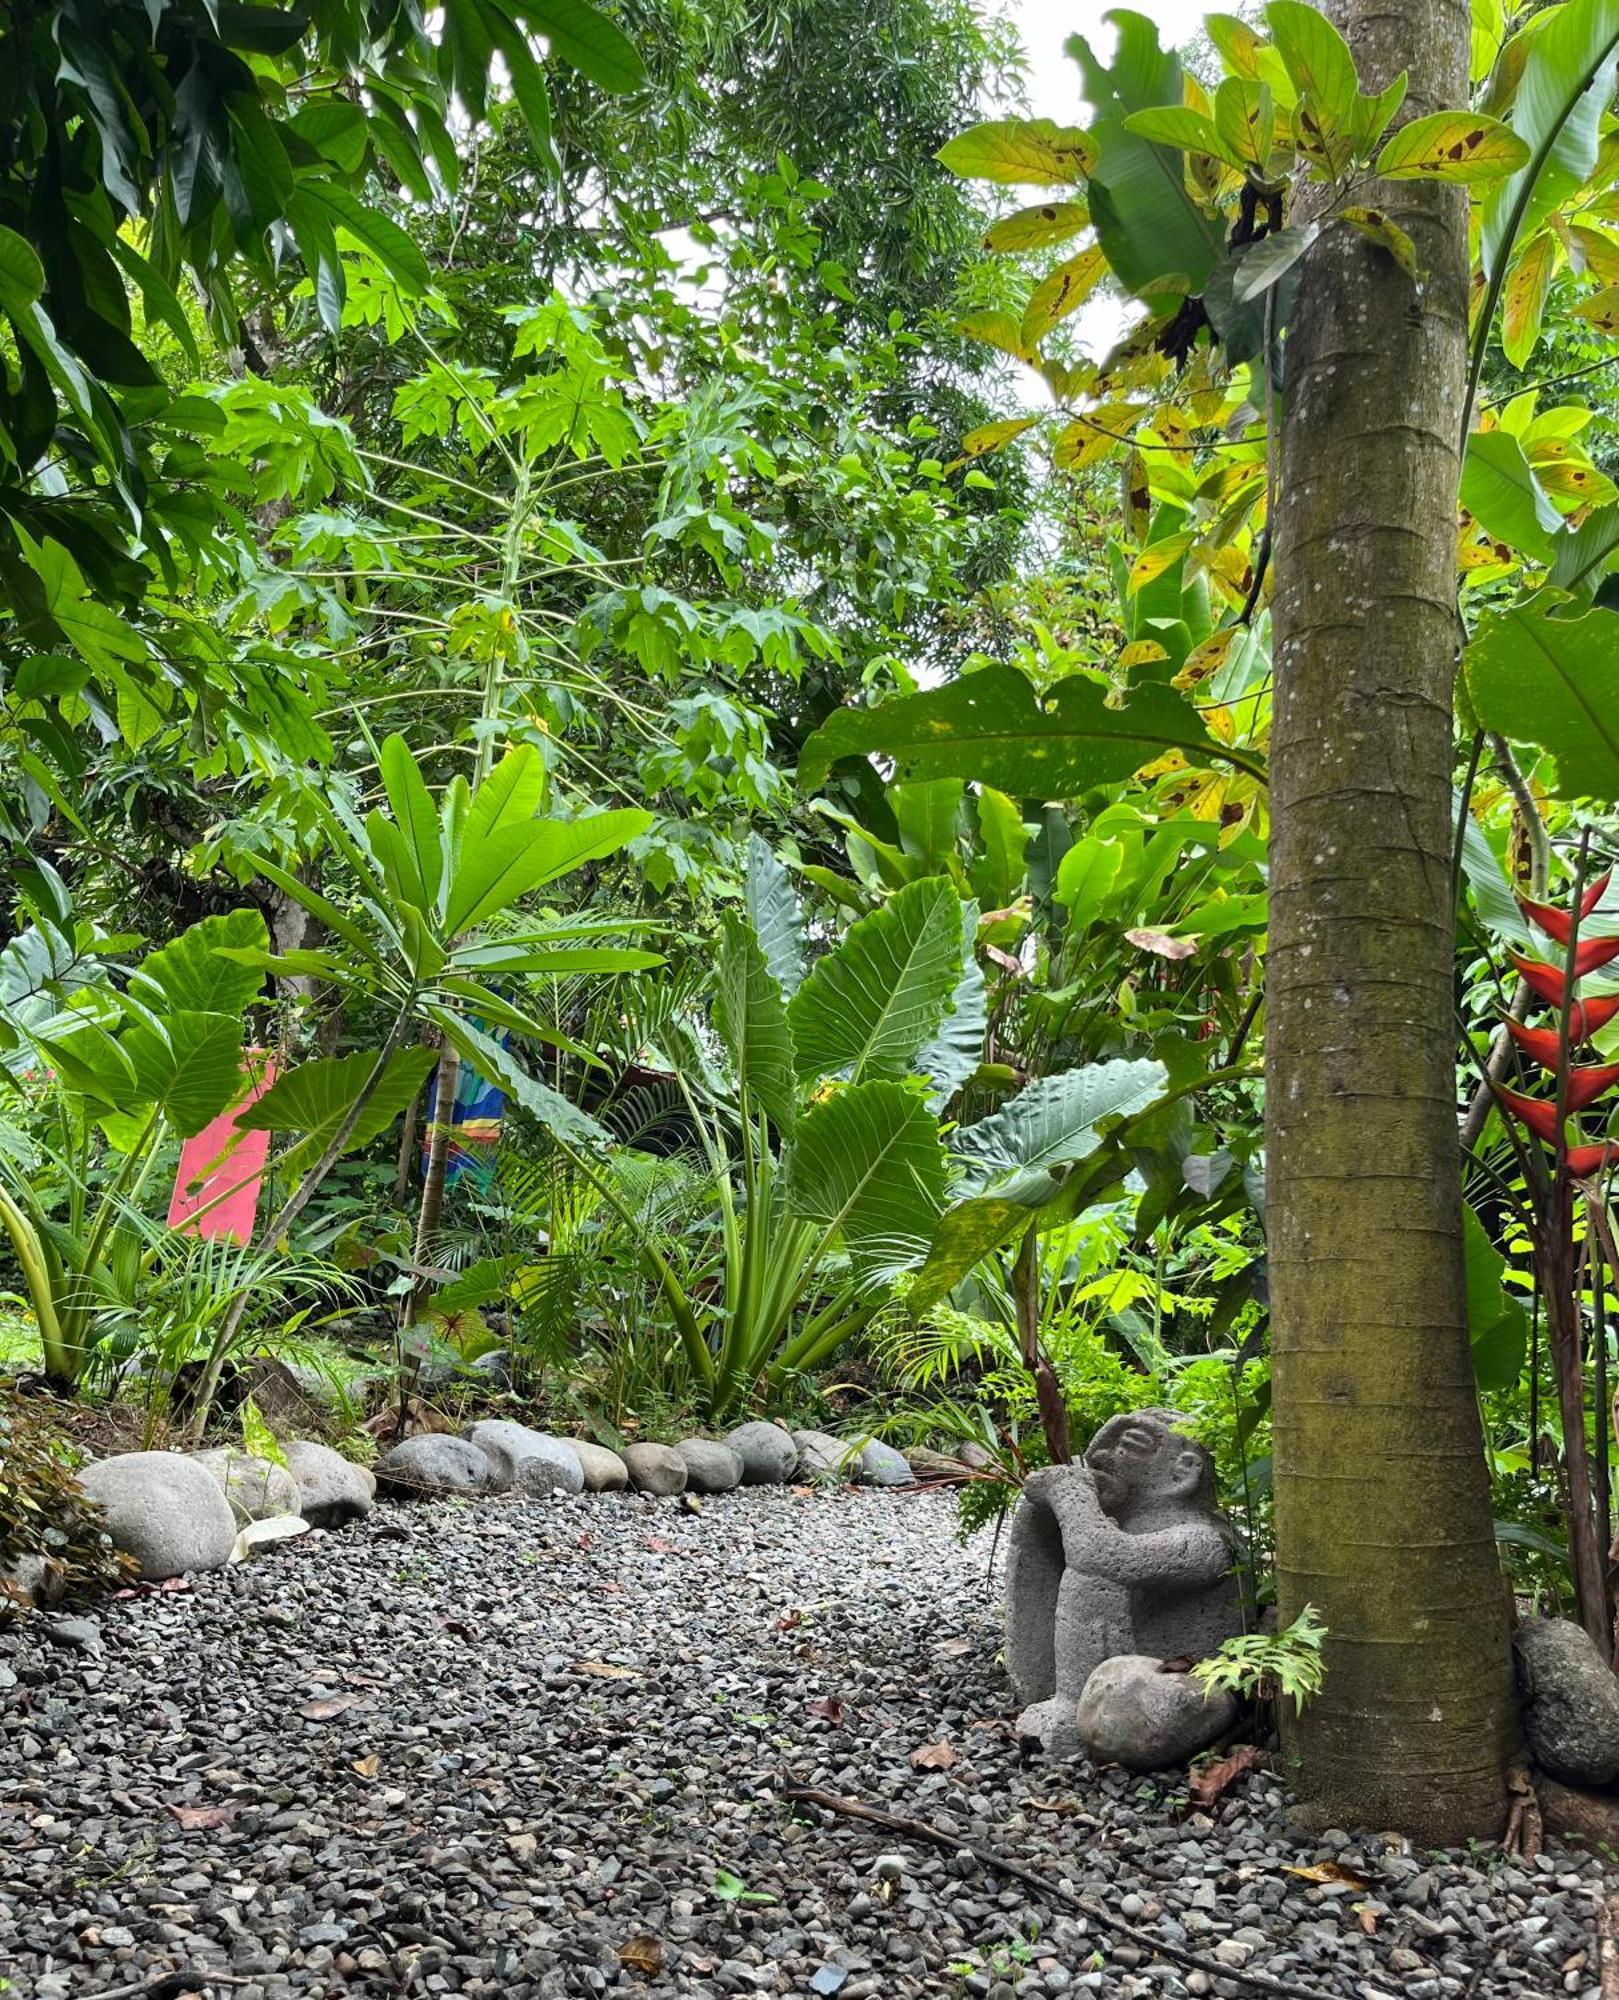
column 1382, row 1503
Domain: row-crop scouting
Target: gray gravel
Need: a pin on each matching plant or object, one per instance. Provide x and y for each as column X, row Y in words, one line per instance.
column 488, row 1747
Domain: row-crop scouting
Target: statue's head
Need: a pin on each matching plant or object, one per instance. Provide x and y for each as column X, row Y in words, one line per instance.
column 1141, row 1459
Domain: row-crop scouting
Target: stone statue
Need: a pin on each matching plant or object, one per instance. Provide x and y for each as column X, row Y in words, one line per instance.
column 1124, row 1553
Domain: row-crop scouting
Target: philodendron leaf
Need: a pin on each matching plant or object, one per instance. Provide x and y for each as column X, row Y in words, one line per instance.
column 316, row 1097
column 1463, row 146
column 190, row 972
column 867, row 1162
column 1021, row 152
column 868, row 1008
column 994, row 727
column 1052, row 1123
column 188, row 1063
column 750, row 1015
column 1552, row 681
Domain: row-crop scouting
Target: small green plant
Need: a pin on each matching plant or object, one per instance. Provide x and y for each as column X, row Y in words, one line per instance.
column 1270, row 1667
column 732, row 1889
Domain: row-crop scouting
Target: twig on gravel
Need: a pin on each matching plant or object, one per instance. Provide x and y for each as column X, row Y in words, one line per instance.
column 986, row 1857
column 170, row 1985
column 1608, row 1947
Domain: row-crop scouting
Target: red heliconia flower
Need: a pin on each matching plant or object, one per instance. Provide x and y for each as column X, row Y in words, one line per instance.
column 1557, row 923
column 1584, row 1161
column 1587, row 1017
column 1541, row 1045
column 1546, row 981
column 1586, row 1085
column 1537, row 1113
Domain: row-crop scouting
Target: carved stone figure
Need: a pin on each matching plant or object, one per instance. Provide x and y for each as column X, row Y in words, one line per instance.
column 1125, row 1552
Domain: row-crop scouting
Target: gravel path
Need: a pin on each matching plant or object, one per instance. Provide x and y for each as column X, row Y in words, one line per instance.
column 534, row 1749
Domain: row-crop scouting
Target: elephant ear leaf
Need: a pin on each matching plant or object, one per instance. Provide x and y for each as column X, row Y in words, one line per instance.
column 1054, row 1122
column 870, row 1007
column 316, row 1098
column 867, row 1163
column 751, row 1017
column 956, row 1050
column 773, row 911
column 192, row 971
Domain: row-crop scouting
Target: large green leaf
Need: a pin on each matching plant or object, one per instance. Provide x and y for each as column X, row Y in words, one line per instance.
column 773, row 911
column 1493, row 899
column 189, row 971
column 1496, row 1322
column 956, row 1051
column 1501, row 492
column 554, row 1111
column 868, row 1008
column 584, row 36
column 416, row 818
column 750, row 1014
column 1144, row 218
column 189, row 1064
column 316, row 1097
column 1566, row 86
column 1052, row 1123
column 1586, row 553
column 965, row 1235
column 868, row 1163
column 1552, row 681
column 994, row 726
column 511, row 795
column 492, row 874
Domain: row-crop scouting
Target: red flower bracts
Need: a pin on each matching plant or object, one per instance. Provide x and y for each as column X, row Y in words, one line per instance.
column 1580, row 1085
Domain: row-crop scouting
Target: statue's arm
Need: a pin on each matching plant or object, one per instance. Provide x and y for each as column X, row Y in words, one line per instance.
column 1185, row 1557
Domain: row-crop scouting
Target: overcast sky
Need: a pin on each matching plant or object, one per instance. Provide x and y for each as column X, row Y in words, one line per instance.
column 1046, row 24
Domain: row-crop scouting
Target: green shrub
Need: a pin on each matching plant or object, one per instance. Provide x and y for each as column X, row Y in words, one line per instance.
column 45, row 1514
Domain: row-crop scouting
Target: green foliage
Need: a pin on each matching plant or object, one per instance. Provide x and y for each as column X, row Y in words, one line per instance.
column 45, row 1515
column 1262, row 1666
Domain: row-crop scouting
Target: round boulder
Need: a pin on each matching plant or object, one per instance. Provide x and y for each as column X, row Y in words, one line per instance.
column 767, row 1452
column 257, row 1488
column 710, row 1467
column 1133, row 1713
column 533, row 1460
column 824, row 1457
column 433, row 1464
column 929, row 1464
column 165, row 1510
column 1570, row 1702
column 332, row 1489
column 655, row 1468
column 604, row 1470
column 881, row 1465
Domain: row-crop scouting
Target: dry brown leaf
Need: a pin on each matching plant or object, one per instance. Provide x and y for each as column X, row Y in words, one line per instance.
column 1161, row 944
column 1330, row 1871
column 657, row 1545
column 642, row 1954
column 604, row 1670
column 790, row 1621
column 329, row 1706
column 366, row 1767
column 934, row 1756
column 954, row 1649
column 1210, row 1780
column 1368, row 1918
column 195, row 1819
column 828, row 1709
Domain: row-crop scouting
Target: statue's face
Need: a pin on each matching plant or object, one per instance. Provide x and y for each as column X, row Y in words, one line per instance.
column 1134, row 1457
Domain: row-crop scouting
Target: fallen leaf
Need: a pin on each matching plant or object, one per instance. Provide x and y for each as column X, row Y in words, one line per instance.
column 329, row 1706
column 1210, row 1780
column 604, row 1670
column 828, row 1709
column 366, row 1767
column 954, row 1649
column 1062, row 1807
column 1161, row 944
column 790, row 1622
column 934, row 1756
column 1368, row 1918
column 197, row 1818
column 642, row 1954
column 658, row 1547
column 458, row 1626
column 1330, row 1872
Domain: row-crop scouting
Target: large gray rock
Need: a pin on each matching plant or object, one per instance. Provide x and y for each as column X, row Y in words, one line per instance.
column 604, row 1470
column 165, row 1510
column 257, row 1488
column 433, row 1464
column 1570, row 1702
column 332, row 1489
column 881, row 1465
column 822, row 1457
column 929, row 1464
column 655, row 1468
column 1132, row 1713
column 710, row 1467
column 1122, row 1554
column 767, row 1452
column 533, row 1460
